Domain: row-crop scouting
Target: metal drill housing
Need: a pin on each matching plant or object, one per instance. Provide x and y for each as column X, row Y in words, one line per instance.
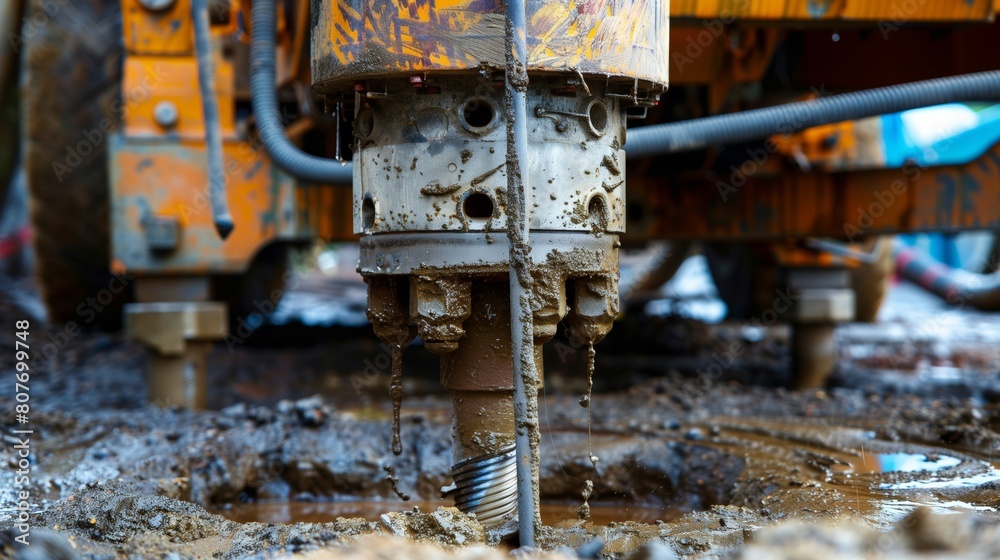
column 430, row 187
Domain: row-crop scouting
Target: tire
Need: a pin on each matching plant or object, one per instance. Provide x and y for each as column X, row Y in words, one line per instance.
column 252, row 292
column 71, row 78
column 8, row 137
column 871, row 281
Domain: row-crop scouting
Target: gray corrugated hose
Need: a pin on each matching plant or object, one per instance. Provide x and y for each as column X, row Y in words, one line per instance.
column 784, row 119
column 264, row 95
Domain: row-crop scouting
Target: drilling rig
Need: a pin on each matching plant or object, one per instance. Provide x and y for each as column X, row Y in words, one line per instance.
column 437, row 170
column 478, row 149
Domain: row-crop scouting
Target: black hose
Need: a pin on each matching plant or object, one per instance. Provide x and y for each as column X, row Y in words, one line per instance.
column 785, row 119
column 957, row 287
column 210, row 110
column 264, row 96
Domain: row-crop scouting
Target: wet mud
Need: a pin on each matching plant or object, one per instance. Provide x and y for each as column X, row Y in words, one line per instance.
column 687, row 467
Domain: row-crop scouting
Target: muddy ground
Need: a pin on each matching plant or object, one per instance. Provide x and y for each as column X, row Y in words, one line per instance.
column 702, row 453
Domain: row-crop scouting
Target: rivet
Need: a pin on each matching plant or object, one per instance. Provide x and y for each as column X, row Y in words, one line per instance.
column 166, row 114
column 157, row 5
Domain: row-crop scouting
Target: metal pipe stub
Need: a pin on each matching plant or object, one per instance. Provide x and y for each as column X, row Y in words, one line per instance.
column 822, row 299
column 178, row 336
column 478, row 375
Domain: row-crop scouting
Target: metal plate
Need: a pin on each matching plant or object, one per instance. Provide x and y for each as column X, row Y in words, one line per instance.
column 417, row 253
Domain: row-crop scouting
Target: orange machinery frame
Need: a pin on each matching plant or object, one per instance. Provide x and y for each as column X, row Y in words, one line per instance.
column 159, row 174
column 161, row 216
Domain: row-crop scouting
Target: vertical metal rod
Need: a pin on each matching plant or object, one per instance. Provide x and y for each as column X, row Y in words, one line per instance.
column 210, row 108
column 518, row 224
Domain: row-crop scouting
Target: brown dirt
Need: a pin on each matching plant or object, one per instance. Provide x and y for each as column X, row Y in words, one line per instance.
column 729, row 465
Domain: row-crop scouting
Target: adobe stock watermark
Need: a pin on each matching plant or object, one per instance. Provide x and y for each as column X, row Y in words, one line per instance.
column 902, row 13
column 47, row 10
column 92, row 139
column 87, row 312
column 712, row 30
column 758, row 157
column 886, row 198
column 265, row 308
column 567, row 347
column 783, row 301
column 250, row 151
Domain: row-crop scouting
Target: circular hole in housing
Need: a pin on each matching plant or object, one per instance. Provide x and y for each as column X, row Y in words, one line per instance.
column 597, row 209
column 478, row 206
column 368, row 212
column 365, row 123
column 597, row 117
column 477, row 114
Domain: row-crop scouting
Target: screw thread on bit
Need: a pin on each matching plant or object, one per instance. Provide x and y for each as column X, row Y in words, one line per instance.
column 487, row 486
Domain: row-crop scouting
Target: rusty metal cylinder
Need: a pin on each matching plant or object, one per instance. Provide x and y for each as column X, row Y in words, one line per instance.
column 437, row 162
column 180, row 380
column 479, row 378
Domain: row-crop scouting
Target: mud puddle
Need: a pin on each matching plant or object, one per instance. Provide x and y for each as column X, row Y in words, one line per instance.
column 553, row 514
column 851, row 451
column 700, row 473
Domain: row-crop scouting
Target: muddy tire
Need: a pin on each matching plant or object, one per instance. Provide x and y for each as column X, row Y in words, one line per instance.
column 71, row 79
column 871, row 281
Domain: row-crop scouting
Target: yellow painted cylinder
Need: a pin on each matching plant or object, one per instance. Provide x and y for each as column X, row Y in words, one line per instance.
column 370, row 39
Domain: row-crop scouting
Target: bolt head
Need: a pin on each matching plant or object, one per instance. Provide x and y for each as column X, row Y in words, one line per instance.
column 166, row 114
column 157, row 5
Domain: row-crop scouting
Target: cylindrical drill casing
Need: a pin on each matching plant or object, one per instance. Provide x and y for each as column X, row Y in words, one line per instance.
column 369, row 39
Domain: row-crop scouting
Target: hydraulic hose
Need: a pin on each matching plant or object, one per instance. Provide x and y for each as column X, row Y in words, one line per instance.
column 956, row 286
column 264, row 96
column 210, row 110
column 785, row 119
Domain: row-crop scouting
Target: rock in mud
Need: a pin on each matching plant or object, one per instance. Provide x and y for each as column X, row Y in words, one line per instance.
column 445, row 526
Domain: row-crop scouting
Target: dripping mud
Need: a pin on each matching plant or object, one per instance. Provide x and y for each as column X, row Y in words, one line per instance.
column 396, row 394
column 295, row 457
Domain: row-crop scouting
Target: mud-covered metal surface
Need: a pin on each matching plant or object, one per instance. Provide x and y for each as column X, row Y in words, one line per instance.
column 432, row 158
column 691, row 462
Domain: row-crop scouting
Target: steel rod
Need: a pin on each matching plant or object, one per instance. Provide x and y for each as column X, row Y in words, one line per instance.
column 210, row 107
column 518, row 224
